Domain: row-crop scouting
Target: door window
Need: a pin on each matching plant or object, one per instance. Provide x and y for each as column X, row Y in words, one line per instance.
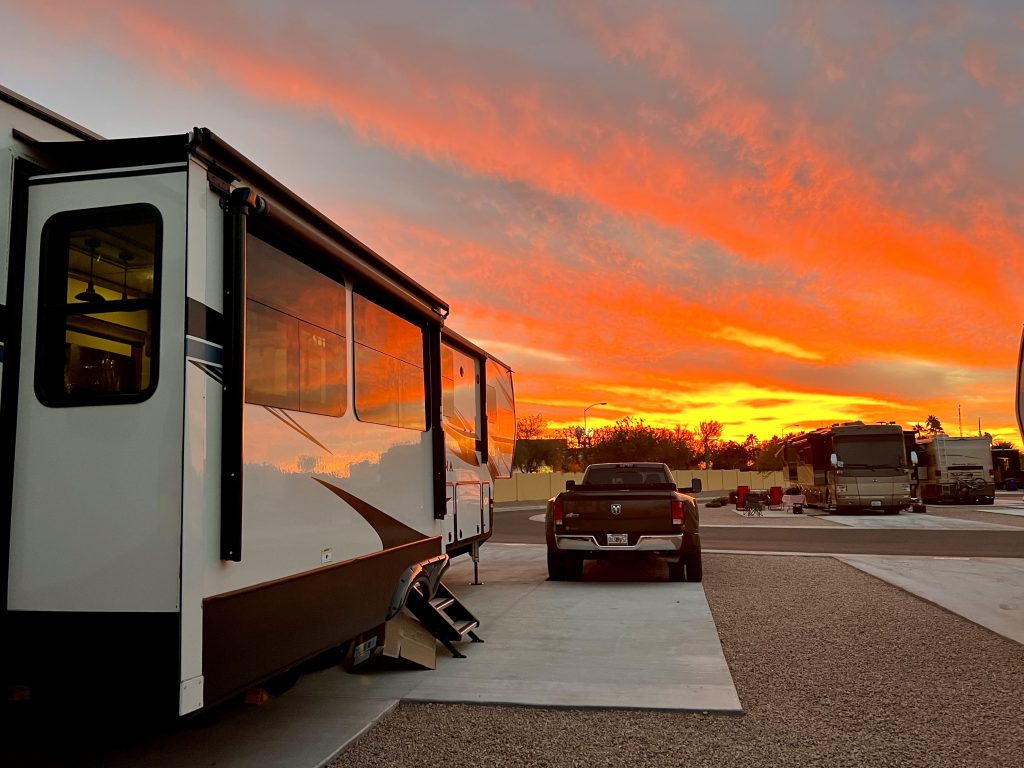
column 99, row 306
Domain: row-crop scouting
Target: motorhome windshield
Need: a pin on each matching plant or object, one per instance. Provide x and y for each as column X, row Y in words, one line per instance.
column 873, row 452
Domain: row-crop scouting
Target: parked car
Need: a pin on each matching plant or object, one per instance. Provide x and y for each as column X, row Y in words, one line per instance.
column 623, row 511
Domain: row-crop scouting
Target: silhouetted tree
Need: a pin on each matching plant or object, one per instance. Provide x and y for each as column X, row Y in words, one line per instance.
column 769, row 455
column 530, row 426
column 709, row 435
column 532, row 453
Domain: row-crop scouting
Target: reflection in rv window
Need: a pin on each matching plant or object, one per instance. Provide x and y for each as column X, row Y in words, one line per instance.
column 501, row 418
column 459, row 380
column 98, row 306
column 294, row 343
column 389, row 368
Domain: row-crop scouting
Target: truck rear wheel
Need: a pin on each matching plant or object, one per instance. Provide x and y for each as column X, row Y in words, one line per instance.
column 564, row 567
column 694, row 566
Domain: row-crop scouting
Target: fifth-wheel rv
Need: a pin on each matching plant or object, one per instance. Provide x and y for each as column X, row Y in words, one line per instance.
column 956, row 469
column 852, row 467
column 234, row 437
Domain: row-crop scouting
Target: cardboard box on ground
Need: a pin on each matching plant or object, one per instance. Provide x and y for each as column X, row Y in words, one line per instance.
column 408, row 640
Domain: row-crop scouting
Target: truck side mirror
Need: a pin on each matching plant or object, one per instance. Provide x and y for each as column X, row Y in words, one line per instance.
column 835, row 460
column 570, row 485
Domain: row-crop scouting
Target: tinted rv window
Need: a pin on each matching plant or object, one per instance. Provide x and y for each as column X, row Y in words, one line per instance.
column 389, row 371
column 459, row 390
column 294, row 335
column 99, row 306
column 501, row 418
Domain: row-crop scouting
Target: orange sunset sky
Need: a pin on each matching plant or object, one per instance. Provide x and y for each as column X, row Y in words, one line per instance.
column 764, row 213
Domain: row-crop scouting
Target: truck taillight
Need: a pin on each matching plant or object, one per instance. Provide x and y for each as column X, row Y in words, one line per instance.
column 558, row 512
column 677, row 512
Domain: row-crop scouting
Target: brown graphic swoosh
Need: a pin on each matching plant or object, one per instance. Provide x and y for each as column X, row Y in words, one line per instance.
column 392, row 533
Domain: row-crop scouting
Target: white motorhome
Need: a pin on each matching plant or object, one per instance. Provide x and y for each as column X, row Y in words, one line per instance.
column 852, row 467
column 233, row 434
column 956, row 469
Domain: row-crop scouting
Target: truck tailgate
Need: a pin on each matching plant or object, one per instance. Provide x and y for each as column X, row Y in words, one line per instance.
column 636, row 512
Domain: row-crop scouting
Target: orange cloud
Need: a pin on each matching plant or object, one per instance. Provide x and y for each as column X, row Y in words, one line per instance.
column 696, row 224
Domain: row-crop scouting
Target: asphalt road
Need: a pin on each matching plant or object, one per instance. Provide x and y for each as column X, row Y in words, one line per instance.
column 514, row 526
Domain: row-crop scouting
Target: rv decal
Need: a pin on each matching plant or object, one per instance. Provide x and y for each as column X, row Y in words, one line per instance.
column 204, row 351
column 392, row 533
column 214, row 372
column 285, row 417
column 203, row 336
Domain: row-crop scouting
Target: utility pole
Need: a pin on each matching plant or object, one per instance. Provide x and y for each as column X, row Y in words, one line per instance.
column 959, row 420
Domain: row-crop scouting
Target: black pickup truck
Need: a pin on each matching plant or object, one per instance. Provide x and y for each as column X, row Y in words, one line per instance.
column 623, row 511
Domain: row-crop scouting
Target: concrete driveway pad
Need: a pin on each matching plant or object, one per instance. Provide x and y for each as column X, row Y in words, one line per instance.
column 623, row 637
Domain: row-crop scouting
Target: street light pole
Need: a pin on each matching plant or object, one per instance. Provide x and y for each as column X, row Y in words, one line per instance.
column 585, row 415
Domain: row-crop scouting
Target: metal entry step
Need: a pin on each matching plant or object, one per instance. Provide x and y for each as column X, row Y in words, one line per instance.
column 444, row 616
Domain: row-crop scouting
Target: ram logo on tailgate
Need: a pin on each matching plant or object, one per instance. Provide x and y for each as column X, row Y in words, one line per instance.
column 616, row 509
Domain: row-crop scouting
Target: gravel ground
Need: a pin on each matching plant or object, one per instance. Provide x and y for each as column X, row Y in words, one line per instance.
column 833, row 667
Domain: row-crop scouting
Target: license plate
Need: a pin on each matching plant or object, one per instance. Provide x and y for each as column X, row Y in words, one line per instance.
column 876, row 503
column 618, row 538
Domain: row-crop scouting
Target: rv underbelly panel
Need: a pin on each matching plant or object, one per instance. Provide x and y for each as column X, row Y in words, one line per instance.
column 298, row 617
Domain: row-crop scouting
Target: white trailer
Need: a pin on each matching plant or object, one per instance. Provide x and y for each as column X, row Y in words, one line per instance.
column 225, row 443
column 956, row 469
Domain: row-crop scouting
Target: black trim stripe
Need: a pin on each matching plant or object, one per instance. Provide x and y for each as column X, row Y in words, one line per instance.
column 203, row 351
column 115, row 174
column 236, row 215
column 9, row 387
column 203, row 323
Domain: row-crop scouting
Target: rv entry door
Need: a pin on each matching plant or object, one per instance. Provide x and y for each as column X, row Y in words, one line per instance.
column 96, row 499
